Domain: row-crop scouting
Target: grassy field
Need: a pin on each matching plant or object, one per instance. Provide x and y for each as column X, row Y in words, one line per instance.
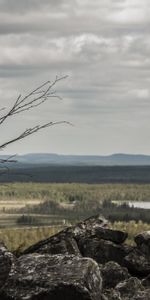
column 65, row 192
column 16, row 196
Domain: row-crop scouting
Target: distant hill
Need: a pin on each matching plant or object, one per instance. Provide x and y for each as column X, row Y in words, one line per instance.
column 81, row 160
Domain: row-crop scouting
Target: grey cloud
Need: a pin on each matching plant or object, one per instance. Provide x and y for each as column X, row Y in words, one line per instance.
column 107, row 60
column 17, row 6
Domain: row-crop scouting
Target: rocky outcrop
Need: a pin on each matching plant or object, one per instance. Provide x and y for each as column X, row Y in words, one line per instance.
column 102, row 250
column 42, row 276
column 84, row 262
column 137, row 263
column 146, row 281
column 112, row 274
column 68, row 238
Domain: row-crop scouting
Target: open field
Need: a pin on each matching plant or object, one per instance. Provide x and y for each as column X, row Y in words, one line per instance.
column 67, row 192
column 30, row 198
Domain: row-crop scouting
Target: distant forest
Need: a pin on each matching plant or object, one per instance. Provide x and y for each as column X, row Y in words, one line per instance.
column 78, row 174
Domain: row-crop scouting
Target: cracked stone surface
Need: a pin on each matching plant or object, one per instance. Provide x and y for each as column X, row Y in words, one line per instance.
column 37, row 276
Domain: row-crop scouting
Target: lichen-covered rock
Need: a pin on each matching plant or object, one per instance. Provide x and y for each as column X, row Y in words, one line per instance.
column 88, row 227
column 65, row 242
column 146, row 281
column 43, row 277
column 142, row 295
column 115, row 236
column 111, row 294
column 102, row 251
column 137, row 263
column 112, row 274
column 129, row 288
column 57, row 244
column 90, row 238
column 143, row 242
column 6, row 260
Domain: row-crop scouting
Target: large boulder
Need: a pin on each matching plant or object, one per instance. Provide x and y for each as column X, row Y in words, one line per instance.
column 96, row 226
column 111, row 294
column 112, row 274
column 129, row 288
column 6, row 261
column 142, row 295
column 65, row 242
column 146, row 281
column 102, row 250
column 137, row 263
column 132, row 289
column 60, row 243
column 115, row 236
column 43, row 277
column 143, row 242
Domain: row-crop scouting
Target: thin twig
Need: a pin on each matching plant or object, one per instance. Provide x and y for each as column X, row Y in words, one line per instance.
column 31, row 131
column 33, row 99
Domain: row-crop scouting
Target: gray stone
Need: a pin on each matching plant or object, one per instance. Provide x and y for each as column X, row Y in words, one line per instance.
column 143, row 242
column 58, row 244
column 129, row 288
column 6, row 260
column 65, row 242
column 102, row 251
column 111, row 294
column 43, row 277
column 137, row 263
column 112, row 274
column 87, row 227
column 146, row 281
column 142, row 295
column 115, row 236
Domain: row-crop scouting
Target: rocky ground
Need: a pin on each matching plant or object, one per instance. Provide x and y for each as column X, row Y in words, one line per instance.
column 85, row 262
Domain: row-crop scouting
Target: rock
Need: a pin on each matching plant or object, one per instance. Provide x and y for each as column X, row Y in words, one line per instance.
column 65, row 242
column 111, row 294
column 143, row 242
column 6, row 260
column 102, row 251
column 112, row 274
column 55, row 269
column 115, row 236
column 42, row 277
column 57, row 244
column 129, row 288
column 87, row 227
column 142, row 295
column 146, row 281
column 137, row 263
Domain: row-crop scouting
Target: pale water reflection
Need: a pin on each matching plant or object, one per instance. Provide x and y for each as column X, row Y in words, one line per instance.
column 139, row 204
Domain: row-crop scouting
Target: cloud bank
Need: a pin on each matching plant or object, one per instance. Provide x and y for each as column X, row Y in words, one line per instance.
column 104, row 47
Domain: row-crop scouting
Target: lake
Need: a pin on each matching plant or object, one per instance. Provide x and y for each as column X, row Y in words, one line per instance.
column 139, row 204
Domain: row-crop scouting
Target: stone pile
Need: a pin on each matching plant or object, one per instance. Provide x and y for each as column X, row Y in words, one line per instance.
column 84, row 262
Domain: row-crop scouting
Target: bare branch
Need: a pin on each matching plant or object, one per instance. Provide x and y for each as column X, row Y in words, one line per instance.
column 8, row 160
column 30, row 101
column 30, row 131
column 35, row 98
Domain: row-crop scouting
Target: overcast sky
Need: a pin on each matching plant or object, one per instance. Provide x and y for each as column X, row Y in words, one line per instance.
column 104, row 47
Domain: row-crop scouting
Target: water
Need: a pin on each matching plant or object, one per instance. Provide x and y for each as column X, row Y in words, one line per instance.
column 139, row 204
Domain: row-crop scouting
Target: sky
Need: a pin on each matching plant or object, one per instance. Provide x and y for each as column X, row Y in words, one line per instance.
column 104, row 48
